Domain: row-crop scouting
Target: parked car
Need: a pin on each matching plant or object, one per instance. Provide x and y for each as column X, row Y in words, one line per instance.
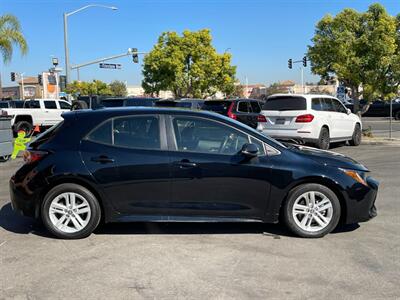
column 42, row 112
column 379, row 108
column 11, row 104
column 190, row 103
column 246, row 111
column 166, row 164
column 128, row 101
column 316, row 119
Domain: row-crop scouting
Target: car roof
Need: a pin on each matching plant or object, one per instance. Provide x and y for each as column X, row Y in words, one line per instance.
column 307, row 96
column 126, row 110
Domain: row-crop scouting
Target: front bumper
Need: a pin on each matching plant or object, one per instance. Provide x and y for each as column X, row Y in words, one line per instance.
column 361, row 202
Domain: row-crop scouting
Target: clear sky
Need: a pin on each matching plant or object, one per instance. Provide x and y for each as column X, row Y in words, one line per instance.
column 260, row 34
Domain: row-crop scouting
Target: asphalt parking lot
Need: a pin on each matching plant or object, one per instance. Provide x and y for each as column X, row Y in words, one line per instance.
column 202, row 261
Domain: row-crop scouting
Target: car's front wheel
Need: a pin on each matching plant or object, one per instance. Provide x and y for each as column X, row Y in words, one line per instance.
column 70, row 211
column 311, row 210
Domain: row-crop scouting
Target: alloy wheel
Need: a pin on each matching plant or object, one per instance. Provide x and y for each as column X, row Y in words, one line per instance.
column 69, row 212
column 312, row 211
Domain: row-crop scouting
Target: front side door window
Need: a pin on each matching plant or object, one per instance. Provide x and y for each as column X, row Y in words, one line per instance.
column 205, row 136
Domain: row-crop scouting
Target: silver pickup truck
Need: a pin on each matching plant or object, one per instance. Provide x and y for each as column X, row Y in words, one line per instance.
column 36, row 112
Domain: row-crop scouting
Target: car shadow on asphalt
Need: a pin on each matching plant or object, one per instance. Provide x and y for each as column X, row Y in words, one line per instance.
column 13, row 222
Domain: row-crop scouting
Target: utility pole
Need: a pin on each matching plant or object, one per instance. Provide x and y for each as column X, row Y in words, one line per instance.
column 22, row 85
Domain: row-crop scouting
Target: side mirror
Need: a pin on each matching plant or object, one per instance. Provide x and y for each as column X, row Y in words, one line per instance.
column 249, row 150
column 348, row 111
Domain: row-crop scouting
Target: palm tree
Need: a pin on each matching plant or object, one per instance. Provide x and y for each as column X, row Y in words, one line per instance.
column 10, row 36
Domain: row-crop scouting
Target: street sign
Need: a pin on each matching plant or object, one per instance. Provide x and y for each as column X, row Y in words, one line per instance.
column 110, row 66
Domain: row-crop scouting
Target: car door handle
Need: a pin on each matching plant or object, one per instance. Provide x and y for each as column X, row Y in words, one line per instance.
column 102, row 159
column 185, row 164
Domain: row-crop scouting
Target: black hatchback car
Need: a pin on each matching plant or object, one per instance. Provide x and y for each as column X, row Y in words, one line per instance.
column 166, row 164
column 247, row 111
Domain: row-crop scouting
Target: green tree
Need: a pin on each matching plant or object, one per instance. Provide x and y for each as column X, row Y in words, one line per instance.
column 82, row 88
column 188, row 65
column 10, row 36
column 361, row 49
column 118, row 88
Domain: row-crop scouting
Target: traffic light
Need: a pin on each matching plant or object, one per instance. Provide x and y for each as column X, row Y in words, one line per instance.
column 305, row 61
column 290, row 63
column 40, row 79
column 12, row 76
column 135, row 56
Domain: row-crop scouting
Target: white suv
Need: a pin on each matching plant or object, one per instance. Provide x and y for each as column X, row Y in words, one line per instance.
column 316, row 119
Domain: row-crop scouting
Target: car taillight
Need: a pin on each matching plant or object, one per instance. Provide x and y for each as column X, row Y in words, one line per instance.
column 230, row 114
column 31, row 156
column 261, row 119
column 305, row 118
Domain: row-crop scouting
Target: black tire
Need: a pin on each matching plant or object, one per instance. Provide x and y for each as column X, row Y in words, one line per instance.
column 295, row 194
column 357, row 136
column 324, row 139
column 5, row 158
column 95, row 210
column 25, row 126
column 397, row 115
column 79, row 104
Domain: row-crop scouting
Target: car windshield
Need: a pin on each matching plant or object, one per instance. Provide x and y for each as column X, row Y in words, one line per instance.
column 217, row 106
column 285, row 103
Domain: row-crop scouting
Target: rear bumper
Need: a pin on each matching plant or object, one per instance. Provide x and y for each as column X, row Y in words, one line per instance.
column 290, row 134
column 21, row 201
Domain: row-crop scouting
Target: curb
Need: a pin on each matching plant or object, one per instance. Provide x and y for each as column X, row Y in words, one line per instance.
column 377, row 141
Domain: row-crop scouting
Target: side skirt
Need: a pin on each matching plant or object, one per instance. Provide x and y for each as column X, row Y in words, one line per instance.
column 134, row 218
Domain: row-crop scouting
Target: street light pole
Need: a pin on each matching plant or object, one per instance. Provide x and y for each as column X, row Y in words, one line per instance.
column 67, row 76
column 66, row 15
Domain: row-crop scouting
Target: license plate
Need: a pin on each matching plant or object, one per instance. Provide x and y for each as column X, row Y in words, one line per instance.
column 280, row 121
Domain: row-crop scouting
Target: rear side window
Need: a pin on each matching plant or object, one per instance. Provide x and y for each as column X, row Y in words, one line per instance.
column 285, row 103
column 221, row 107
column 243, row 106
column 316, row 104
column 50, row 104
column 255, row 107
column 3, row 104
column 64, row 105
column 32, row 104
column 102, row 134
column 327, row 104
column 137, row 132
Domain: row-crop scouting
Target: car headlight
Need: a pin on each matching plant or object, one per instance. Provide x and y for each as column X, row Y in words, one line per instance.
column 357, row 176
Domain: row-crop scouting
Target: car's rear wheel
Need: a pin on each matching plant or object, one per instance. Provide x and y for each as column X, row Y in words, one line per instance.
column 23, row 126
column 357, row 135
column 70, row 211
column 324, row 139
column 311, row 210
